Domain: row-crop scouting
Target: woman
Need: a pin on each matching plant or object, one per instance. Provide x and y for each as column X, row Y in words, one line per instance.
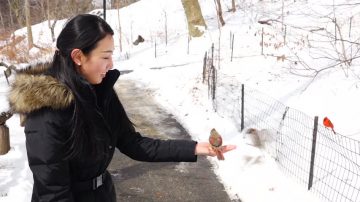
column 74, row 119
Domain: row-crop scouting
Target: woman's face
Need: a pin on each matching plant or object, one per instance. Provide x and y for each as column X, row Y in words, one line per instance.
column 95, row 65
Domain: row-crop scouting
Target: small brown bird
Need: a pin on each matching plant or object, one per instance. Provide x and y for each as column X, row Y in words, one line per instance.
column 215, row 140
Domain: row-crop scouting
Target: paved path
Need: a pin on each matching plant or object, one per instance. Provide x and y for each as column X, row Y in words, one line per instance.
column 141, row 181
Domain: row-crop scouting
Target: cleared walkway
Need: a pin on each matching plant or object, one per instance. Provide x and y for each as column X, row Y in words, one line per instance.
column 141, row 181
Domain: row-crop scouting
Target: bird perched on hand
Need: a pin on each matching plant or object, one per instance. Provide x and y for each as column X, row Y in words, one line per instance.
column 215, row 140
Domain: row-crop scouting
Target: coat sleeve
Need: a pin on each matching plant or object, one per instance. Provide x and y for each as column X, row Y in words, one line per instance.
column 137, row 147
column 45, row 149
column 142, row 148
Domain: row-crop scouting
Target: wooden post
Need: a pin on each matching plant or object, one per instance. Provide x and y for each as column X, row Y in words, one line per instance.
column 262, row 41
column 230, row 39
column 282, row 15
column 166, row 33
column 335, row 30
column 242, row 106
column 285, row 35
column 212, row 54
column 351, row 47
column 4, row 139
column 213, row 89
column 204, row 67
column 188, row 45
column 211, row 66
column 311, row 174
column 350, row 24
column 155, row 47
column 232, row 47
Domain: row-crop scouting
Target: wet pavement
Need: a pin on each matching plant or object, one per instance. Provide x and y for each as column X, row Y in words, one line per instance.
column 143, row 181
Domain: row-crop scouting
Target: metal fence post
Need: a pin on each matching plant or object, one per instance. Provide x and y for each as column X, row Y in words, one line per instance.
column 232, row 46
column 6, row 76
column 213, row 89
column 279, row 139
column 242, row 106
column 311, row 174
column 204, row 67
column 104, row 9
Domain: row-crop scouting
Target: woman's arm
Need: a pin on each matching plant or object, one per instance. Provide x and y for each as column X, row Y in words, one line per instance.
column 140, row 148
column 45, row 144
column 137, row 147
column 148, row 149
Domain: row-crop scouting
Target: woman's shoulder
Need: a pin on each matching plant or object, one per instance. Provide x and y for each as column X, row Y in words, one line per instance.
column 49, row 121
column 51, row 115
column 31, row 91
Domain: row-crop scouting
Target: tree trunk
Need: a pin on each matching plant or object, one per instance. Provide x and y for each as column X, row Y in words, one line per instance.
column 2, row 21
column 16, row 7
column 4, row 139
column 166, row 29
column 49, row 17
column 11, row 15
column 43, row 9
column 118, row 14
column 219, row 11
column 194, row 17
column 52, row 30
column 233, row 9
column 28, row 24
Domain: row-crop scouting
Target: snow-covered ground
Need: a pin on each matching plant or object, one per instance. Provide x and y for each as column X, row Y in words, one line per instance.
column 175, row 78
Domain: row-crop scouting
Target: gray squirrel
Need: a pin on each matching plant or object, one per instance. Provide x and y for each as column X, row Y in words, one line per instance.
column 257, row 138
column 140, row 39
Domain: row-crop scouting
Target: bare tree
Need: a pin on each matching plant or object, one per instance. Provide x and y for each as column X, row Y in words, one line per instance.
column 55, row 10
column 118, row 14
column 17, row 7
column 28, row 24
column 123, row 3
column 11, row 15
column 342, row 53
column 282, row 15
column 2, row 20
column 194, row 17
column 166, row 29
column 233, row 9
column 39, row 6
column 219, row 12
column 52, row 17
column 74, row 7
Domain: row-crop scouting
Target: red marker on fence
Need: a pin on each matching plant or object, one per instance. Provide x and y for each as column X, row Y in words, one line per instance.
column 327, row 123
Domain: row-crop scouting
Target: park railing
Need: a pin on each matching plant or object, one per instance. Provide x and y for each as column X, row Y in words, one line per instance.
column 324, row 161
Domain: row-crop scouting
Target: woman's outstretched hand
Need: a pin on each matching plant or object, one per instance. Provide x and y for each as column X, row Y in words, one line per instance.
column 205, row 148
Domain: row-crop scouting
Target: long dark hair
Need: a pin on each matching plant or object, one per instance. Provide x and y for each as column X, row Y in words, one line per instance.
column 82, row 32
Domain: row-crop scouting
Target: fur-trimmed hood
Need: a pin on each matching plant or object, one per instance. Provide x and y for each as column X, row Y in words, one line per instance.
column 32, row 90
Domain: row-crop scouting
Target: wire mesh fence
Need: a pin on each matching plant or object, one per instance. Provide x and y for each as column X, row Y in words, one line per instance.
column 336, row 175
column 326, row 162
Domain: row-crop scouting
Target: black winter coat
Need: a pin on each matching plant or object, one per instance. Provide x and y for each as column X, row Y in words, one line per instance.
column 48, row 106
